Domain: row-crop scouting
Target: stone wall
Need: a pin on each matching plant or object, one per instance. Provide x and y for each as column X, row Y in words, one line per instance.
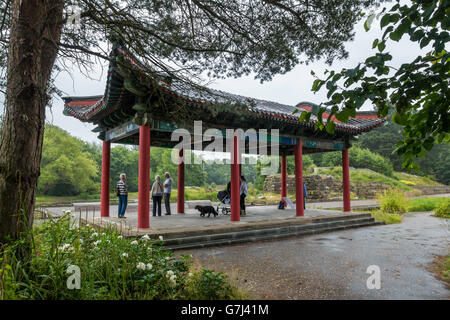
column 326, row 188
column 425, row 190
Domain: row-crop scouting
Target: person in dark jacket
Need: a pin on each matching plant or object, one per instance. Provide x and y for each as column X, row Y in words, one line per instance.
column 243, row 191
column 122, row 193
column 305, row 194
column 229, row 188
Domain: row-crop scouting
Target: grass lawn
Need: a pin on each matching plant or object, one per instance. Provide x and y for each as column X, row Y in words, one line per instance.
column 425, row 204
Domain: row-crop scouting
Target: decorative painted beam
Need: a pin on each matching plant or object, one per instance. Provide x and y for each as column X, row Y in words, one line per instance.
column 130, row 128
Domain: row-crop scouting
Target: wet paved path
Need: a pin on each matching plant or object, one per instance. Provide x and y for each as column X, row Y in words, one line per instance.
column 333, row 265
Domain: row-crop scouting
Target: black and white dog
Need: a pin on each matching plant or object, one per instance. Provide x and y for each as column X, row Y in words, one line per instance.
column 206, row 210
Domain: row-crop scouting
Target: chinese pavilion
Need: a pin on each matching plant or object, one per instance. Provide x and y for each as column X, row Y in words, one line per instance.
column 141, row 107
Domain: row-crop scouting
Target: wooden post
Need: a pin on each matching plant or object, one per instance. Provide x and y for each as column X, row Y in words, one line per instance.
column 299, row 178
column 104, row 196
column 235, row 181
column 283, row 178
column 144, row 178
column 180, row 200
column 346, row 181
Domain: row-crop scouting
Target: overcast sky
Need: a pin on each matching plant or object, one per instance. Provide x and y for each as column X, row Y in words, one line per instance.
column 289, row 88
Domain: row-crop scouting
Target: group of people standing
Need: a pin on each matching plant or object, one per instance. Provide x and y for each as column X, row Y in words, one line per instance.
column 158, row 191
column 162, row 190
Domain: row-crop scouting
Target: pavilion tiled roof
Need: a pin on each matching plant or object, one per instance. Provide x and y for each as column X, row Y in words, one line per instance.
column 87, row 108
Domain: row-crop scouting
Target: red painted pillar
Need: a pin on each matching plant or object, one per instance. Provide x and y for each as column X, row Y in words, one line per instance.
column 104, row 197
column 346, row 180
column 180, row 200
column 299, row 178
column 283, row 178
column 235, row 181
column 144, row 178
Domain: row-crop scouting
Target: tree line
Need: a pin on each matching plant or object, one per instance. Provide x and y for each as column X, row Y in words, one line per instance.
column 71, row 166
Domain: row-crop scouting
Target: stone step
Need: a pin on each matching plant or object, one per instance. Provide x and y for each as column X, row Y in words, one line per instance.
column 264, row 231
column 265, row 234
column 181, row 233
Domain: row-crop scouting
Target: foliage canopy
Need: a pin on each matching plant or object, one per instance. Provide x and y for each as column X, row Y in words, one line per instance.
column 418, row 91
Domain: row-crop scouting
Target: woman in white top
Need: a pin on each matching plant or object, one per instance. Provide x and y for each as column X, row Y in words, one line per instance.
column 157, row 193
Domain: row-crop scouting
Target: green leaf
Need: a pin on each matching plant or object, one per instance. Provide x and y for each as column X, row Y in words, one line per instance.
column 330, row 127
column 396, row 36
column 375, row 43
column 368, row 22
column 381, row 46
column 385, row 20
column 399, row 119
column 316, row 84
column 344, row 115
column 303, row 116
column 424, row 42
column 337, row 98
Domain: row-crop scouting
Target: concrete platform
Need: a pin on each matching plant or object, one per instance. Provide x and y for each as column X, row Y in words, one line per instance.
column 191, row 224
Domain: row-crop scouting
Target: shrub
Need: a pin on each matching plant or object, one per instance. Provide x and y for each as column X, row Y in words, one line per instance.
column 443, row 211
column 111, row 268
column 392, row 201
column 388, row 218
column 207, row 285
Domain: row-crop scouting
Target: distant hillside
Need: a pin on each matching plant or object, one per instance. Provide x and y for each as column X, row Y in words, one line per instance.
column 382, row 140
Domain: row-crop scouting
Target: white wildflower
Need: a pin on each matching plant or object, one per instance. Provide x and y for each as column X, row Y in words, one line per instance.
column 172, row 279
column 190, row 275
column 103, row 234
column 65, row 247
column 124, row 254
column 169, row 273
column 96, row 243
column 141, row 266
column 95, row 234
column 134, row 242
column 119, row 237
column 161, row 238
column 149, row 266
column 145, row 237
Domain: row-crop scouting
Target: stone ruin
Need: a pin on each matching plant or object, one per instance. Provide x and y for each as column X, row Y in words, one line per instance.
column 325, row 187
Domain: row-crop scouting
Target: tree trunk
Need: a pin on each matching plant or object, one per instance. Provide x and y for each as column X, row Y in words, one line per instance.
column 36, row 27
